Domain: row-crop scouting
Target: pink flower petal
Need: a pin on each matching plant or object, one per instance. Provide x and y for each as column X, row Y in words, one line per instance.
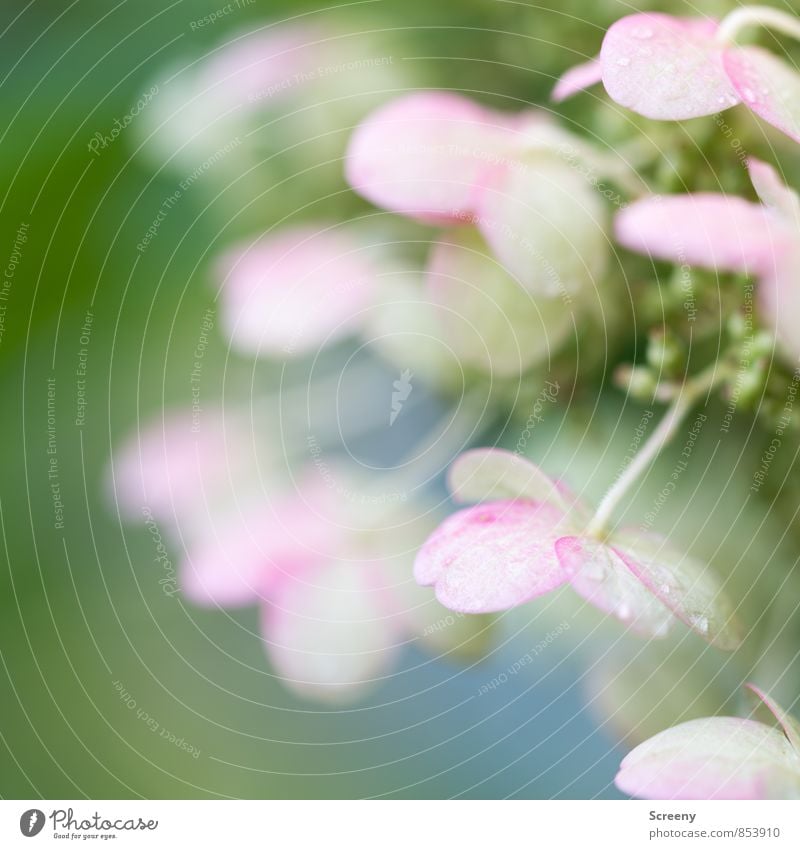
column 488, row 319
column 493, row 474
column 774, row 193
column 599, row 575
column 296, row 290
column 577, row 79
column 665, row 67
column 790, row 726
column 175, row 463
column 242, row 556
column 334, row 631
column 768, row 85
column 713, row 231
column 260, row 66
column 683, row 584
column 493, row 557
column 546, row 223
column 779, row 299
column 712, row 758
column 424, row 155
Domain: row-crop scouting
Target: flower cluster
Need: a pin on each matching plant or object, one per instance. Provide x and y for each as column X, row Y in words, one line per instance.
column 524, row 260
column 331, row 578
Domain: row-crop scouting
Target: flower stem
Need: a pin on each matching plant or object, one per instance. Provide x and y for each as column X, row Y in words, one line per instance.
column 764, row 16
column 666, row 429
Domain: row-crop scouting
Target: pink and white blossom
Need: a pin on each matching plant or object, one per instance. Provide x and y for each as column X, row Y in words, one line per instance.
column 730, row 234
column 332, row 579
column 300, row 288
column 442, row 159
column 528, row 536
column 720, row 757
column 673, row 68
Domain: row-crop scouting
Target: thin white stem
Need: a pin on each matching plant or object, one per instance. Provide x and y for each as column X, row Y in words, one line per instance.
column 666, row 429
column 763, row 16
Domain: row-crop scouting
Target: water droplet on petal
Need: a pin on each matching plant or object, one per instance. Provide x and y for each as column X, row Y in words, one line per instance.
column 749, row 95
column 624, row 61
column 700, row 623
column 665, row 589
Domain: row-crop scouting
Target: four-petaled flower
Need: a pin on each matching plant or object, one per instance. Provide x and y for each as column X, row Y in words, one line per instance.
column 529, row 536
column 673, row 68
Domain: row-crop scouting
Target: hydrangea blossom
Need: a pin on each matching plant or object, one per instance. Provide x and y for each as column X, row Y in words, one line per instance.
column 718, row 757
column 529, row 536
column 299, row 289
column 445, row 160
column 674, row 68
column 730, row 234
column 331, row 578
column 268, row 89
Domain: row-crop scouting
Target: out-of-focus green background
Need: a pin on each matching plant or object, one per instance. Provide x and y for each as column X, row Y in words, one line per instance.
column 81, row 608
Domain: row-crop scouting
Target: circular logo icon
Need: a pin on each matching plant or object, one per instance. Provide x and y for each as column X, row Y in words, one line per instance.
column 31, row 822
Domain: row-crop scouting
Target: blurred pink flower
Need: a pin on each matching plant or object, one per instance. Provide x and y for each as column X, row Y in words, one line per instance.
column 730, row 234
column 300, row 288
column 332, row 578
column 528, row 537
column 719, row 757
column 442, row 159
column 674, row 68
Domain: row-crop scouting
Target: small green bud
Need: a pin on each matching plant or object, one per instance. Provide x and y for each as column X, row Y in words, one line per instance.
column 638, row 380
column 665, row 353
column 749, row 385
column 763, row 344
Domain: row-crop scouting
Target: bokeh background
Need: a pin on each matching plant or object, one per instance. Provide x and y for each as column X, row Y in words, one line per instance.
column 81, row 606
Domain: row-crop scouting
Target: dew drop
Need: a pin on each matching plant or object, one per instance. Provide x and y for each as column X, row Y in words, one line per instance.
column 700, row 623
column 749, row 95
column 624, row 61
